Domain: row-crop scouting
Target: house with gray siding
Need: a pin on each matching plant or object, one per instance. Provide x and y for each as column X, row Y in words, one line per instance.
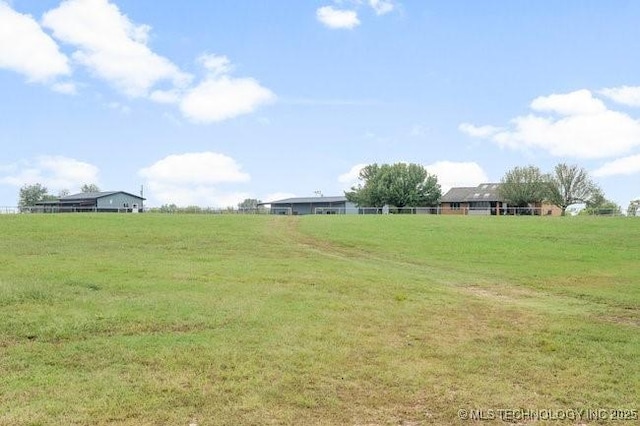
column 108, row 201
column 312, row 205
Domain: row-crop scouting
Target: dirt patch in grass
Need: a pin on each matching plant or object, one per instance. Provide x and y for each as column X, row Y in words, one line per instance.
column 503, row 294
column 629, row 317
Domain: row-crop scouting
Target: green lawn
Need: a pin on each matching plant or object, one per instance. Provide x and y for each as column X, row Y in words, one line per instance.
column 224, row 319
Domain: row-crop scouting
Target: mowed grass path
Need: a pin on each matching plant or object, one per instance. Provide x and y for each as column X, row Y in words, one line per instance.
column 178, row 319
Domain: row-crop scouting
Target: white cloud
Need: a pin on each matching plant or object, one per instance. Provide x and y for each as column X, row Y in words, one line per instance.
column 622, row 166
column 194, row 179
column 66, row 88
column 218, row 97
column 449, row 174
column 222, row 98
column 111, row 46
column 54, row 172
column 115, row 49
column 478, row 131
column 452, row 174
column 337, row 18
column 580, row 126
column 216, row 64
column 580, row 102
column 350, row 178
column 159, row 193
column 626, row 95
column 26, row 49
column 196, row 168
column 277, row 196
column 381, row 7
column 166, row 96
column 346, row 15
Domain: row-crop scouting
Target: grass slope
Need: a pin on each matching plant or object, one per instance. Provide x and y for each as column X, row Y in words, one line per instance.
column 178, row 319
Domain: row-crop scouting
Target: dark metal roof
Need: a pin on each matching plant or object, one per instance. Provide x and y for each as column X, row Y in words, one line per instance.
column 309, row 200
column 455, row 195
column 95, row 195
column 482, row 192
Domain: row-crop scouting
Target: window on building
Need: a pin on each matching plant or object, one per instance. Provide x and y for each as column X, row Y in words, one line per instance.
column 455, row 206
column 480, row 205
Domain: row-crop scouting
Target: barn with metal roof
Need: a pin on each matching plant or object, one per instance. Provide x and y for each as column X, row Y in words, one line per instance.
column 313, row 205
column 107, row 201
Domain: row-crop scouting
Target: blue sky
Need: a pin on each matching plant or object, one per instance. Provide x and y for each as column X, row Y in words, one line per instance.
column 211, row 102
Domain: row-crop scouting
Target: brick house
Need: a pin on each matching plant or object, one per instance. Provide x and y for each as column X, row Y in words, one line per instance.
column 485, row 199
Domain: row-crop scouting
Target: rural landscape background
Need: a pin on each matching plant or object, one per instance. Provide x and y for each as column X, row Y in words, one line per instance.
column 165, row 108
column 258, row 319
column 210, row 103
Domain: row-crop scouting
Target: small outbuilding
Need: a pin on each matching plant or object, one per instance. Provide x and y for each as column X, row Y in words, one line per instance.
column 107, row 201
column 312, row 205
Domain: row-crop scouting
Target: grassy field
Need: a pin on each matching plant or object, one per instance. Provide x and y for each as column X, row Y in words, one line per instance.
column 183, row 319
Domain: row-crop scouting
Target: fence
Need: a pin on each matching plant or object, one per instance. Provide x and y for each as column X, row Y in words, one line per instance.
column 511, row 211
column 473, row 211
column 607, row 212
column 75, row 209
column 216, row 210
column 9, row 210
column 396, row 210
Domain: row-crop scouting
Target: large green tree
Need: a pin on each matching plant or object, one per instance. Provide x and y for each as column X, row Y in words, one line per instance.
column 249, row 204
column 607, row 208
column 368, row 192
column 32, row 194
column 598, row 205
column 89, row 187
column 398, row 185
column 634, row 205
column 597, row 199
column 570, row 185
column 522, row 186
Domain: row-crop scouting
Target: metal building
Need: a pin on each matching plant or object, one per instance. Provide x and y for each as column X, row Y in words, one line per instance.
column 108, row 201
column 313, row 205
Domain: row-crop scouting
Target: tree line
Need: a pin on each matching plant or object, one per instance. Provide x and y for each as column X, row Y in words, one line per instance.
column 398, row 185
column 411, row 185
column 248, row 205
column 564, row 186
column 30, row 195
